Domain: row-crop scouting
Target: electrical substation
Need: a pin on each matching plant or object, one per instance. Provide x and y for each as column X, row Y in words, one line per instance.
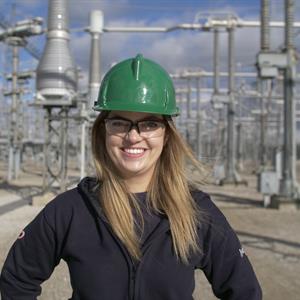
column 241, row 119
column 232, row 120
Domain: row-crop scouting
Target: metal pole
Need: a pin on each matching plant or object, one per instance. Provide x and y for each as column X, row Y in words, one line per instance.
column 278, row 131
column 188, row 110
column 181, row 100
column 181, row 117
column 83, row 146
column 89, row 160
column 265, row 25
column 189, row 92
column 230, row 169
column 47, row 128
column 198, row 118
column 64, row 148
column 216, row 61
column 287, row 184
column 239, row 140
column 221, row 135
column 95, row 29
column 96, row 25
column 239, row 147
column 265, row 47
column 223, row 141
column 13, row 169
column 289, row 141
column 289, row 21
column 262, row 155
column 94, row 75
column 15, row 108
column 212, row 23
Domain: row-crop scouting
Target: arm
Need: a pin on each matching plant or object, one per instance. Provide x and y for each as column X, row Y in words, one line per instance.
column 30, row 261
column 224, row 262
column 229, row 271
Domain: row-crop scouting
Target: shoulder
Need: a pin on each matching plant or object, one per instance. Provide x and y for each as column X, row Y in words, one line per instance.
column 212, row 222
column 63, row 207
column 214, row 230
column 77, row 201
column 65, row 200
column 207, row 206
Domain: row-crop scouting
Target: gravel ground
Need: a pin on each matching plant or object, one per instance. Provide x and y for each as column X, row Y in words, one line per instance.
column 271, row 239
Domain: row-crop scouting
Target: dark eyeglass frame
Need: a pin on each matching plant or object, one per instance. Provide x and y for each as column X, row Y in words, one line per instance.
column 136, row 123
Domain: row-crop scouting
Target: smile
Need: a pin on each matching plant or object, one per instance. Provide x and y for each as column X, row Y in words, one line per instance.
column 134, row 152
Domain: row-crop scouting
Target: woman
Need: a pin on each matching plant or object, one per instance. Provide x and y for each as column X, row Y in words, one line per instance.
column 139, row 229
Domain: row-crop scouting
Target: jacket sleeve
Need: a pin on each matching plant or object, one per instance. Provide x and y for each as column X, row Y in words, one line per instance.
column 30, row 261
column 224, row 262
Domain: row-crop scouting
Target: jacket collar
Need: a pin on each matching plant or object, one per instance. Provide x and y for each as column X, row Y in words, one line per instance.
column 89, row 187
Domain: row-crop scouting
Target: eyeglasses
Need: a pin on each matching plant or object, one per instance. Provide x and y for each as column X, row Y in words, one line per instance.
column 145, row 128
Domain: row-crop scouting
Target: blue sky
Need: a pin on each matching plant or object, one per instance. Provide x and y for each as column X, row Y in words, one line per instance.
column 176, row 51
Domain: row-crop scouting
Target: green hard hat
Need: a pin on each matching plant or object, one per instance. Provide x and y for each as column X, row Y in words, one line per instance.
column 137, row 84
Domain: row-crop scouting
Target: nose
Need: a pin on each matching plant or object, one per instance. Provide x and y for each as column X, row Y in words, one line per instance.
column 133, row 136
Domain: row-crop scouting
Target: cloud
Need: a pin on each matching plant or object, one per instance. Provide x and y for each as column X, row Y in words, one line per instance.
column 183, row 50
column 79, row 10
column 175, row 50
column 23, row 9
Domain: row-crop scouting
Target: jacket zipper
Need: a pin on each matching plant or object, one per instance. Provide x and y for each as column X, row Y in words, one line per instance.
column 132, row 280
column 133, row 266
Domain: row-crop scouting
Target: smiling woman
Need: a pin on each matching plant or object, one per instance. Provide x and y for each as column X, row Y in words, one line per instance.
column 140, row 228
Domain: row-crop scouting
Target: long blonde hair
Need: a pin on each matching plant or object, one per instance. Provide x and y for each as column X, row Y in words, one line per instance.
column 168, row 193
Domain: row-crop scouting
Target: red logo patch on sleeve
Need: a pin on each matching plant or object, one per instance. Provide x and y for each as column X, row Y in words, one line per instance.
column 21, row 235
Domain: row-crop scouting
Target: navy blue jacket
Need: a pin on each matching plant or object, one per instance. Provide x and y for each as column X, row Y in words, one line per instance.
column 73, row 228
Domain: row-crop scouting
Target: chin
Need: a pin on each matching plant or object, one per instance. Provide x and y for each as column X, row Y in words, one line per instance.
column 132, row 172
column 135, row 171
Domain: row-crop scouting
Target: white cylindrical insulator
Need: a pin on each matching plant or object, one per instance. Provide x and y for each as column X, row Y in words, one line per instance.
column 56, row 72
column 96, row 21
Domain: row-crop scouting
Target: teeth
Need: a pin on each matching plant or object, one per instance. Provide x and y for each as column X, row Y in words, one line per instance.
column 134, row 151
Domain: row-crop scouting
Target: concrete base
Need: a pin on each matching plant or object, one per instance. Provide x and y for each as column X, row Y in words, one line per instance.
column 233, row 179
column 284, row 203
column 236, row 181
column 42, row 200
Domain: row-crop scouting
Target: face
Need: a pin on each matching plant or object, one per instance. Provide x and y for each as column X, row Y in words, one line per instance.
column 132, row 154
